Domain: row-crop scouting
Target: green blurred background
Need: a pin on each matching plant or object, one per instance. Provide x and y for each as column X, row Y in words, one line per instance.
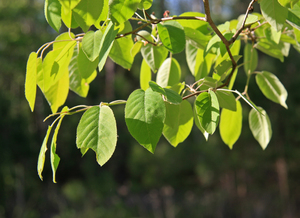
column 196, row 179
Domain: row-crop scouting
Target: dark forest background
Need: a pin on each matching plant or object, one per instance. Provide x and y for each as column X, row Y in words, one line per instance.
column 196, row 179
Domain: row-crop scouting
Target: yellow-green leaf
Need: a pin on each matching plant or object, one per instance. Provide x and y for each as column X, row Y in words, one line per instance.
column 231, row 125
column 31, row 79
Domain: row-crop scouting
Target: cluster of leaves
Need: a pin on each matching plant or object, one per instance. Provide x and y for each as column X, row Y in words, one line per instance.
column 160, row 106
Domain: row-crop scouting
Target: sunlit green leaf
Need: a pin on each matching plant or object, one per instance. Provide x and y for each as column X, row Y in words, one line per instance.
column 271, row 87
column 41, row 159
column 260, row 126
column 122, row 10
column 178, row 122
column 172, row 36
column 171, row 96
column 97, row 130
column 120, row 52
column 91, row 44
column 145, row 113
column 251, row 18
column 198, row 124
column 169, row 73
column 207, row 107
column 274, row 13
column 154, row 55
column 78, row 84
column 52, row 11
column 226, row 100
column 31, row 79
column 57, row 94
column 250, row 59
column 69, row 4
column 106, row 44
column 145, row 75
column 231, row 125
column 270, row 49
column 145, row 4
column 68, row 18
column 87, row 12
column 54, row 158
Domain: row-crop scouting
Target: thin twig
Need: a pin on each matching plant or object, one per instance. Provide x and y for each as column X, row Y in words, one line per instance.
column 235, row 36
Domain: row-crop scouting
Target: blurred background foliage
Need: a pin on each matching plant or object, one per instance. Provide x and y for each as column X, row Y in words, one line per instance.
column 196, row 179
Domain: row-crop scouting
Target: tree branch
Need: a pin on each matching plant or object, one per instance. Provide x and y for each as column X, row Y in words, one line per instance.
column 235, row 36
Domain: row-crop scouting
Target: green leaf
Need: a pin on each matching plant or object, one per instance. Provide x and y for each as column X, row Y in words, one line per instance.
column 120, row 52
column 55, row 65
column 171, row 96
column 87, row 12
column 31, row 79
column 198, row 124
column 136, row 48
column 122, row 10
column 226, row 100
column 260, row 127
column 213, row 42
column 199, row 66
column 207, row 107
column 231, row 125
column 91, row 44
column 274, row 13
column 293, row 17
column 103, row 16
column 97, row 130
column 172, row 36
column 270, row 49
column 271, row 87
column 78, row 84
column 41, row 159
column 106, row 44
column 53, row 156
column 145, row 113
column 251, row 19
column 68, row 18
column 52, row 11
column 154, row 55
column 69, row 4
column 145, row 4
column 199, row 25
column 178, row 122
column 145, row 75
column 250, row 59
column 169, row 73
column 85, row 66
column 196, row 38
column 57, row 94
